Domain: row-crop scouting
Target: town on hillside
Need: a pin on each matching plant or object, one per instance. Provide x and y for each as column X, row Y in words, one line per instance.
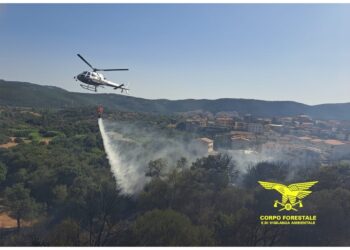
column 325, row 140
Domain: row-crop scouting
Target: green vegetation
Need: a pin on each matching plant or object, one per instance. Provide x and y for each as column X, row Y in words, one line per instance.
column 20, row 204
column 65, row 192
column 53, row 97
column 168, row 228
column 3, row 172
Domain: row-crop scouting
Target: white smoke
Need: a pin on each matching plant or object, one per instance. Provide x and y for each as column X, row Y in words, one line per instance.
column 131, row 147
column 291, row 155
column 248, row 158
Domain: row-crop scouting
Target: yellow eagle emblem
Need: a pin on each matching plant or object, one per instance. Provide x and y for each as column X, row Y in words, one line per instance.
column 291, row 195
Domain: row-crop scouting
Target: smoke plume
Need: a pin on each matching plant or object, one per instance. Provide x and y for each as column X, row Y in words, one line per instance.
column 131, row 147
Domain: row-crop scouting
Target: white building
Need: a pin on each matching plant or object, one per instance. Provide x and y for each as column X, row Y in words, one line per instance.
column 206, row 145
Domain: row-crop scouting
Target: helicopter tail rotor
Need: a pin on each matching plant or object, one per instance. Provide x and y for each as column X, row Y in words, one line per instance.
column 124, row 88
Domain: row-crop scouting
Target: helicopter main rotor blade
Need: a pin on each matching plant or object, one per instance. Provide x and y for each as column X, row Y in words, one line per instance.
column 111, row 69
column 82, row 58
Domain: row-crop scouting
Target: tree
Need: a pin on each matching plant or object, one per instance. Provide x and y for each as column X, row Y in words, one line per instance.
column 98, row 207
column 66, row 233
column 4, row 139
column 20, row 204
column 265, row 171
column 18, row 140
column 60, row 193
column 331, row 177
column 3, row 172
column 218, row 170
column 332, row 207
column 154, row 195
column 156, row 168
column 181, row 163
column 168, row 228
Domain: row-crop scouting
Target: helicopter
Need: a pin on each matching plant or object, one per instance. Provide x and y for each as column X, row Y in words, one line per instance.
column 92, row 79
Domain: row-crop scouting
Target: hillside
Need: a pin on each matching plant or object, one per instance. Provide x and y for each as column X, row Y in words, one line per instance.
column 31, row 95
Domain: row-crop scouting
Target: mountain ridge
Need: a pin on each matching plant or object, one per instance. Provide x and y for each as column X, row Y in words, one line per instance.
column 24, row 94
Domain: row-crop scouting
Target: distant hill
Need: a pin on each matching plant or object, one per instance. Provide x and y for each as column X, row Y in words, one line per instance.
column 24, row 94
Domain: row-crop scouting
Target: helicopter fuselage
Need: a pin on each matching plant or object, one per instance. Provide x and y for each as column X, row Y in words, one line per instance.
column 92, row 79
column 96, row 79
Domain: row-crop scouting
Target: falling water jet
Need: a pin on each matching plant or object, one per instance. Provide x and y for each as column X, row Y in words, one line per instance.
column 126, row 177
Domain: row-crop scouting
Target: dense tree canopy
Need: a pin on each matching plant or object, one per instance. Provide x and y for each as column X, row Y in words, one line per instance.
column 20, row 204
column 65, row 192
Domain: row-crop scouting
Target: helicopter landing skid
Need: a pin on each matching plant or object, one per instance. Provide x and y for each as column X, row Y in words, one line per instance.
column 88, row 87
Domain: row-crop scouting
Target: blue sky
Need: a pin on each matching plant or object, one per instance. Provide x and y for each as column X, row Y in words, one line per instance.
column 270, row 52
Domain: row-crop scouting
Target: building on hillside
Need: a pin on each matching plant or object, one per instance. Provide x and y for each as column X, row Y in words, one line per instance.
column 194, row 124
column 222, row 141
column 206, row 145
column 256, row 128
column 240, row 126
column 248, row 118
column 239, row 142
column 338, row 150
column 304, row 118
column 225, row 122
column 341, row 136
column 276, row 127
